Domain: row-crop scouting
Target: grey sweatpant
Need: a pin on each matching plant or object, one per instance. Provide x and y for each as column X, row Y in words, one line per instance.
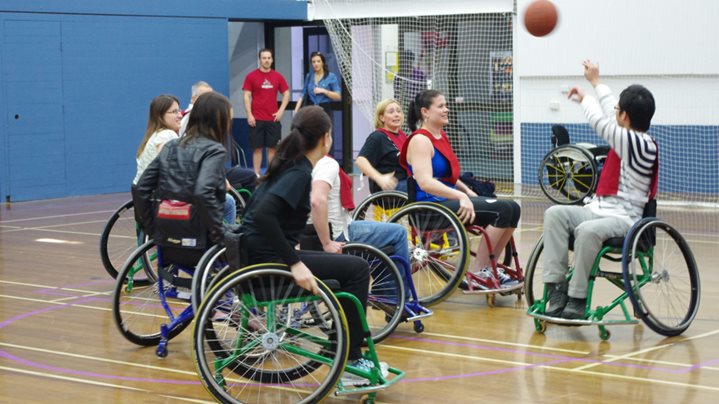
column 590, row 231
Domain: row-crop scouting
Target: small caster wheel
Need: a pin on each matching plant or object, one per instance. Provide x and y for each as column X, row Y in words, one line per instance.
column 366, row 399
column 161, row 351
column 604, row 334
column 418, row 327
column 540, row 326
column 490, row 299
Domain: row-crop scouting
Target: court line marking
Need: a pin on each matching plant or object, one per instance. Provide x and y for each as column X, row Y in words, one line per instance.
column 635, row 378
column 454, row 355
column 191, row 400
column 27, row 219
column 82, row 233
column 72, row 379
column 507, row 343
column 97, row 358
column 642, row 351
column 35, row 285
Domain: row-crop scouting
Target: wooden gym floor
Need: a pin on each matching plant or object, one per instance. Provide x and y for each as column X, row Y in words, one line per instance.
column 58, row 341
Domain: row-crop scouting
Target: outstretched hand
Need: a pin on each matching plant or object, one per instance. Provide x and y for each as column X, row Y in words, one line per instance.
column 591, row 72
column 576, row 94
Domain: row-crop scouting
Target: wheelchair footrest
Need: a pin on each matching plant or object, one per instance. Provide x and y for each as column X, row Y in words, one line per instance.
column 562, row 321
column 503, row 291
column 397, row 375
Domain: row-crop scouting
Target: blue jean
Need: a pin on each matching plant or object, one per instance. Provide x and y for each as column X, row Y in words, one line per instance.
column 380, row 235
column 230, row 210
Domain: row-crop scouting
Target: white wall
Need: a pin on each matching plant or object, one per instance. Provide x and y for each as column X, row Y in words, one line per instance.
column 661, row 44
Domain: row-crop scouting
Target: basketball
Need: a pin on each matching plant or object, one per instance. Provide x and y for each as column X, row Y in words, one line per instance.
column 540, row 17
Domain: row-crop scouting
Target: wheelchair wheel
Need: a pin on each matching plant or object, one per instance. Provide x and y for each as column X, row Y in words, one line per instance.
column 210, row 265
column 120, row 237
column 567, row 174
column 534, row 288
column 661, row 276
column 438, row 249
column 246, row 351
column 379, row 206
column 387, row 291
column 240, row 197
column 137, row 308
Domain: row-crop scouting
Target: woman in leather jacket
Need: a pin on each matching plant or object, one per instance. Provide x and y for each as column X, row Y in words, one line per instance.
column 190, row 170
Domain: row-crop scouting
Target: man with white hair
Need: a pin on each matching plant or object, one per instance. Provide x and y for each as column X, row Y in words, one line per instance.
column 198, row 89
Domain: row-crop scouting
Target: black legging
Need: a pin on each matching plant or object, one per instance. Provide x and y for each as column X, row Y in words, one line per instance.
column 502, row 213
column 353, row 275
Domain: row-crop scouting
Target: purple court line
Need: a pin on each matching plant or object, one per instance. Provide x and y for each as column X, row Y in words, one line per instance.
column 539, row 354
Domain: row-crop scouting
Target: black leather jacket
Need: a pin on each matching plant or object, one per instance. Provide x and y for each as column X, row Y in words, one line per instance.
column 192, row 172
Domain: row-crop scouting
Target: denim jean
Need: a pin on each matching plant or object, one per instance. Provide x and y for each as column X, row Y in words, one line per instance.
column 380, row 235
column 230, row 210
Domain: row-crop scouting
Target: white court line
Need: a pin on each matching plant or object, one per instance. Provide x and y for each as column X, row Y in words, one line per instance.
column 453, row 355
column 191, row 400
column 642, row 351
column 34, row 285
column 82, row 233
column 490, row 341
column 72, row 379
column 56, row 216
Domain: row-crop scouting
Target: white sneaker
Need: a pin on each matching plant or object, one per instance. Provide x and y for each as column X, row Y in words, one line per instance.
column 349, row 379
column 505, row 280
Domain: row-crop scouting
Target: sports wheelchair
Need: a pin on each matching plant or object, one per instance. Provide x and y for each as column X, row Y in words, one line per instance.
column 570, row 172
column 653, row 266
column 121, row 235
column 440, row 247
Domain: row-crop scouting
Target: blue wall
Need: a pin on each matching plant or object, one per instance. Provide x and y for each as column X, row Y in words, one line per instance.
column 688, row 154
column 76, row 80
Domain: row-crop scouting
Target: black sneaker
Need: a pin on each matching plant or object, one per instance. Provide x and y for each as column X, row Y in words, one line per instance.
column 556, row 298
column 575, row 309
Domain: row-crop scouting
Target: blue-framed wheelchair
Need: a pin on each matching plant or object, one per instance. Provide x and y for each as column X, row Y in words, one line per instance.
column 654, row 269
column 570, row 172
column 258, row 337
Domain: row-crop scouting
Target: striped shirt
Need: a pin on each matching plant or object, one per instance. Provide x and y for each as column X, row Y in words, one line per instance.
column 637, row 152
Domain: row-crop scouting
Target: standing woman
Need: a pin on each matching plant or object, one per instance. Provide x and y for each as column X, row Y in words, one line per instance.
column 379, row 157
column 191, row 169
column 321, row 87
column 276, row 217
column 431, row 160
column 162, row 126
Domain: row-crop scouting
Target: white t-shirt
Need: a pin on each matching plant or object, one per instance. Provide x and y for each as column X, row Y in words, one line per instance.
column 152, row 149
column 185, row 119
column 328, row 170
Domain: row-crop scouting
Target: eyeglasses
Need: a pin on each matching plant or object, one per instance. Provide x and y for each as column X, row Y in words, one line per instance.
column 173, row 112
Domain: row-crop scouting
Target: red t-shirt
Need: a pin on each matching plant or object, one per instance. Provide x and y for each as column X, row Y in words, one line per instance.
column 264, row 88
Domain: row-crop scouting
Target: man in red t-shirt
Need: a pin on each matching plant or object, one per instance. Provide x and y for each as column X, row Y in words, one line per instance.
column 260, row 92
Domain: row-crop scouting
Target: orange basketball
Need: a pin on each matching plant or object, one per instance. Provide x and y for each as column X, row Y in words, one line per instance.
column 540, row 17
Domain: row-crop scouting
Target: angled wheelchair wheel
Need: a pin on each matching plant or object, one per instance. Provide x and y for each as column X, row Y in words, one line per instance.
column 567, row 174
column 120, row 237
column 438, row 249
column 241, row 198
column 212, row 263
column 246, row 351
column 139, row 309
column 661, row 276
column 533, row 283
column 379, row 206
column 387, row 292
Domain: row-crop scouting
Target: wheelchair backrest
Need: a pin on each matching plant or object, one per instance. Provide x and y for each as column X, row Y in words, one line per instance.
column 560, row 136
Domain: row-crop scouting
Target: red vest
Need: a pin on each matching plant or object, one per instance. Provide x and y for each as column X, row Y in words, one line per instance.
column 609, row 179
column 441, row 145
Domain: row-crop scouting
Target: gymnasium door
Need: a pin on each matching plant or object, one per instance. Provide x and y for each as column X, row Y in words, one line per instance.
column 32, row 89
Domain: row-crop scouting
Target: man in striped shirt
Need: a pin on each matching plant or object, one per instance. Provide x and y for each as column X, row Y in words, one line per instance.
column 627, row 182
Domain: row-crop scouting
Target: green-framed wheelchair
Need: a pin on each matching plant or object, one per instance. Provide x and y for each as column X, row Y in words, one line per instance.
column 654, row 269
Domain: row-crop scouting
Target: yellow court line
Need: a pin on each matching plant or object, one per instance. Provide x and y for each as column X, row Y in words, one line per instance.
column 507, row 343
column 96, row 359
column 72, row 379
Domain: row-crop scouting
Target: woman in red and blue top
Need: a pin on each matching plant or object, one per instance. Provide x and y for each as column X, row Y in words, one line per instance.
column 428, row 156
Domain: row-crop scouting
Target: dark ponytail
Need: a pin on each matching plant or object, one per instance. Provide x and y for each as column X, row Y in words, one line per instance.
column 309, row 125
column 423, row 99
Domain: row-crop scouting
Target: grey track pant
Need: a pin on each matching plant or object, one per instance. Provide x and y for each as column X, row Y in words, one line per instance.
column 590, row 231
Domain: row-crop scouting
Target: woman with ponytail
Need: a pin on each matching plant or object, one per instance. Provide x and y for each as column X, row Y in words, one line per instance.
column 278, row 211
column 428, row 156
